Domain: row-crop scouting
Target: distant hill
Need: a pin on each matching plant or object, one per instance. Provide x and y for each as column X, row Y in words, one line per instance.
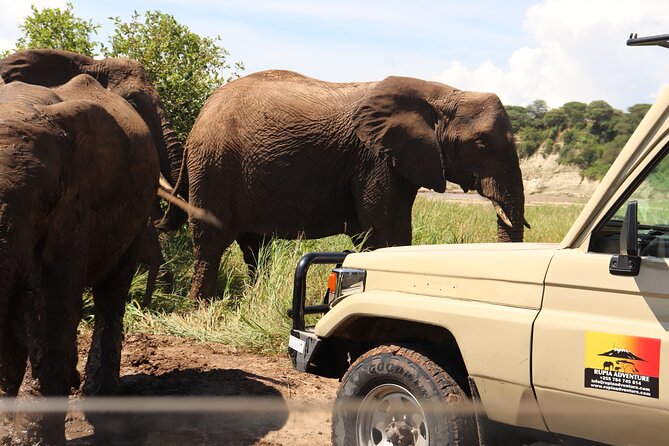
column 584, row 138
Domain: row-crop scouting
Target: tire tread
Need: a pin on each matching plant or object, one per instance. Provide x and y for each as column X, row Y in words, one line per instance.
column 462, row 428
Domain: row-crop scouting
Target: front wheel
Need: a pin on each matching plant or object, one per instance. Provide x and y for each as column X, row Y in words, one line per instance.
column 396, row 396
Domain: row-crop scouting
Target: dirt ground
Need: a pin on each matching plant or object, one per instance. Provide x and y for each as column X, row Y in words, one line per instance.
column 225, row 398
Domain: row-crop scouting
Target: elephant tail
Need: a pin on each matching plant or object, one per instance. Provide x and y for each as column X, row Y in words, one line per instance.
column 168, row 194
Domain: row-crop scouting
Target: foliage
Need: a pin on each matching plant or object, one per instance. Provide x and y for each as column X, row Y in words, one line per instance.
column 556, row 119
column 575, row 112
column 589, row 136
column 184, row 67
column 529, row 141
column 57, row 29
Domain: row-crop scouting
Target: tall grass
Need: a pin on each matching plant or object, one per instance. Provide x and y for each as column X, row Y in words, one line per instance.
column 251, row 314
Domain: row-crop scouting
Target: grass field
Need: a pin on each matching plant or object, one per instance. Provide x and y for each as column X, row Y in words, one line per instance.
column 251, row 315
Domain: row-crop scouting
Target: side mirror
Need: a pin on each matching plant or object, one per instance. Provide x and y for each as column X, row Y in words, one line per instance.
column 628, row 262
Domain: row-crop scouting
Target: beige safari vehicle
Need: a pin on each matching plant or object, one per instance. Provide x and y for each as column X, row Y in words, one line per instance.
column 508, row 343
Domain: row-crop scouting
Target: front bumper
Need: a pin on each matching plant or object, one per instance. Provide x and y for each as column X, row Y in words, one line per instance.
column 303, row 343
column 302, row 346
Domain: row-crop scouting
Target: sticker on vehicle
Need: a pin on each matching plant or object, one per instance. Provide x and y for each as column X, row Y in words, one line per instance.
column 621, row 363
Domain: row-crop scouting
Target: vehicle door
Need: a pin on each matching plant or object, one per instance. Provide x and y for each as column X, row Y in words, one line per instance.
column 601, row 341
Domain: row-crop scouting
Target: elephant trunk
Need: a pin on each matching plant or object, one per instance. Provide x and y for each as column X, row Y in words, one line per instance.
column 171, row 156
column 509, row 204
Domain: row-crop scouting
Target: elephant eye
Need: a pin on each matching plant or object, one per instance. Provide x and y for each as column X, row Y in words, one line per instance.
column 132, row 99
column 132, row 102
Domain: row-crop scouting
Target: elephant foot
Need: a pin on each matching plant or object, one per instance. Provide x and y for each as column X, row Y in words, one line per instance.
column 102, row 386
column 39, row 429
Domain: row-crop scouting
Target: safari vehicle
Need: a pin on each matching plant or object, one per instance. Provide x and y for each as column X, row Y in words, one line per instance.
column 508, row 343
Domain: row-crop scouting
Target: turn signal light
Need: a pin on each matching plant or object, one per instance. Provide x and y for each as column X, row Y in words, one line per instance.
column 343, row 282
column 332, row 282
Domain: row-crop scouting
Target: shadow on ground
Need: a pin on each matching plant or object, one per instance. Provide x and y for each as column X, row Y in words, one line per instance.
column 225, row 420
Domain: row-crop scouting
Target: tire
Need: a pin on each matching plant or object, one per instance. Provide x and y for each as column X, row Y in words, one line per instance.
column 392, row 382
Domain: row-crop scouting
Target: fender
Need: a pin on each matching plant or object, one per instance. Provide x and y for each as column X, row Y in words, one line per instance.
column 481, row 330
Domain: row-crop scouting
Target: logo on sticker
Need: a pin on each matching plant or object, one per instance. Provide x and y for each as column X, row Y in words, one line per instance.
column 620, row 363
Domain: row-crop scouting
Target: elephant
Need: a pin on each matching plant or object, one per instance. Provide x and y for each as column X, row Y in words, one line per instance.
column 125, row 77
column 277, row 153
column 79, row 174
column 128, row 79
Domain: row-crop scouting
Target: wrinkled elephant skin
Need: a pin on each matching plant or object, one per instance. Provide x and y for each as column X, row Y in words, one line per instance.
column 78, row 175
column 279, row 154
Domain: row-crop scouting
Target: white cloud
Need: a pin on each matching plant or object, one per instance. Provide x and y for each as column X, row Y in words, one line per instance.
column 579, row 54
column 13, row 14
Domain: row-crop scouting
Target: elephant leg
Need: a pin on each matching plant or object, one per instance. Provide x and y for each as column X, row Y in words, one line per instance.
column 13, row 348
column 52, row 314
column 109, row 298
column 208, row 247
column 251, row 244
column 385, row 215
column 13, row 357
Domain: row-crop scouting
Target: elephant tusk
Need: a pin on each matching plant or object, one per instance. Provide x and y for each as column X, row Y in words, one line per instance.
column 193, row 211
column 166, row 186
column 527, row 225
column 502, row 215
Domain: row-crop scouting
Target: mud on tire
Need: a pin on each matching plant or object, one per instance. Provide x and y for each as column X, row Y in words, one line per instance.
column 392, row 393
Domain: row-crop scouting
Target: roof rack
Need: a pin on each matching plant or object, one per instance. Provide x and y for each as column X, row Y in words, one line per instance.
column 661, row 40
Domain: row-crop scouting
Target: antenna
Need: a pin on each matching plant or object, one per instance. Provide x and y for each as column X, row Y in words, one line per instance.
column 661, row 40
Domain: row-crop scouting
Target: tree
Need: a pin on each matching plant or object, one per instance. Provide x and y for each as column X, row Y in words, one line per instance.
column 58, row 29
column 556, row 118
column 602, row 118
column 537, row 109
column 575, row 112
column 630, row 120
column 518, row 117
column 184, row 67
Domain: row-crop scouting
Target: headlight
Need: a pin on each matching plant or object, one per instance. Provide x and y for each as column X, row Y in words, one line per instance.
column 345, row 281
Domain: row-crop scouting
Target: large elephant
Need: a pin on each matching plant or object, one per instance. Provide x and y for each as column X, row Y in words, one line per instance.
column 280, row 154
column 128, row 79
column 79, row 173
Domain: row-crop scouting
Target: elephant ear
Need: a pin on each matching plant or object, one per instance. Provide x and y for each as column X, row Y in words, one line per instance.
column 96, row 151
column 43, row 67
column 395, row 121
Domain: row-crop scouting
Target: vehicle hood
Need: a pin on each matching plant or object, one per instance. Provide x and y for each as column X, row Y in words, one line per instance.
column 510, row 274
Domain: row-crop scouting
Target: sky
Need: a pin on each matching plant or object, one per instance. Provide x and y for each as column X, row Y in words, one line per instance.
column 522, row 50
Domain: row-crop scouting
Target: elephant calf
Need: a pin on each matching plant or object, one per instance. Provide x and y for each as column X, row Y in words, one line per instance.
column 78, row 175
column 279, row 154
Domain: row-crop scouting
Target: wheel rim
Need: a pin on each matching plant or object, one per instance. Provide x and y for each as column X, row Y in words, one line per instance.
column 382, row 405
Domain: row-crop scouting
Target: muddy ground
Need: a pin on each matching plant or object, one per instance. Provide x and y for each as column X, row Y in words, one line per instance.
column 227, row 398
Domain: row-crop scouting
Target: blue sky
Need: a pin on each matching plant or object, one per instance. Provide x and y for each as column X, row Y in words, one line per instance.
column 556, row 50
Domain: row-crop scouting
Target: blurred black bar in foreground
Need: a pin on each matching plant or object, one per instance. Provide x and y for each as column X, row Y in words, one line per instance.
column 660, row 40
